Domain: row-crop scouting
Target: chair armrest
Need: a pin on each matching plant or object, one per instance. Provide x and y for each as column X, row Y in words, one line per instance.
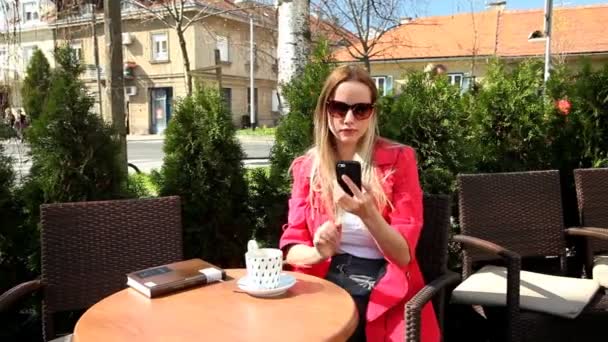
column 413, row 308
column 513, row 261
column 17, row 293
column 589, row 232
column 486, row 246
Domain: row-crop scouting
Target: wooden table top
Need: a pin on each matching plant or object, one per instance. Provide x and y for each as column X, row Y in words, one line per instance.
column 312, row 310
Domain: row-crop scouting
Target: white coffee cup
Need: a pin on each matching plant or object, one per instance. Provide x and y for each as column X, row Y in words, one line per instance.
column 264, row 267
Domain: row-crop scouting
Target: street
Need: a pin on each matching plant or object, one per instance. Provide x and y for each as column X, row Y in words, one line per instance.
column 146, row 153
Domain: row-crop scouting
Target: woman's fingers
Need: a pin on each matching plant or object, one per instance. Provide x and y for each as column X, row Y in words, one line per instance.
column 352, row 186
column 330, row 235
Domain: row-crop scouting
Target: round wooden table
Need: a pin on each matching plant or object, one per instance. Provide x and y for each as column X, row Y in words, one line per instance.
column 312, row 310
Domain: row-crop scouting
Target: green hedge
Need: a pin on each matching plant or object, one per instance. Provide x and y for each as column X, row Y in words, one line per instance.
column 203, row 165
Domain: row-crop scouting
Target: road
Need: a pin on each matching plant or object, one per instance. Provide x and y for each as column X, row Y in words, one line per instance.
column 147, row 153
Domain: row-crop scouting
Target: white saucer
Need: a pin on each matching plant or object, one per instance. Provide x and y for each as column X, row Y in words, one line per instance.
column 286, row 281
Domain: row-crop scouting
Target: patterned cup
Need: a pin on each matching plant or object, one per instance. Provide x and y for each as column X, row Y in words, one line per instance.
column 264, row 267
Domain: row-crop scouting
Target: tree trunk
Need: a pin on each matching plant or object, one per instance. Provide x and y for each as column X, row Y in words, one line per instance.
column 187, row 75
column 115, row 86
column 97, row 66
column 293, row 46
column 367, row 64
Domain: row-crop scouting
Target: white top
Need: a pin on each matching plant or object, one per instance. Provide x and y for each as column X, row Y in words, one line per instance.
column 357, row 240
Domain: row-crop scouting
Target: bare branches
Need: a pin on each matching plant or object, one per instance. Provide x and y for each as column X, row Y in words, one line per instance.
column 367, row 20
column 155, row 12
column 207, row 11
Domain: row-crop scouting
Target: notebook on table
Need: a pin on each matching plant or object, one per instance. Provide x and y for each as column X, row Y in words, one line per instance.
column 160, row 280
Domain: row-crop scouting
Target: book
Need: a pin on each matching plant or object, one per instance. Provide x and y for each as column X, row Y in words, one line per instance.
column 160, row 280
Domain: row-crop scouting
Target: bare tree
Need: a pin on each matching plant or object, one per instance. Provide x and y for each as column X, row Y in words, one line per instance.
column 294, row 41
column 369, row 21
column 180, row 15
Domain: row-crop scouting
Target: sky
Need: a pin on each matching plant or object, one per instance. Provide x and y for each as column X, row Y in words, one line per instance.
column 423, row 8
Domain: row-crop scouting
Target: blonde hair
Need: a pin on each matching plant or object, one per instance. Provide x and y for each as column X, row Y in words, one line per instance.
column 324, row 154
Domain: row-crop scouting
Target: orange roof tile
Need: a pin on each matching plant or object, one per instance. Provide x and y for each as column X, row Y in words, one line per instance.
column 493, row 32
column 334, row 34
column 574, row 30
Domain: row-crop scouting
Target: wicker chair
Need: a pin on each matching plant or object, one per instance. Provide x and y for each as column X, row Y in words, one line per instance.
column 432, row 255
column 519, row 217
column 592, row 196
column 88, row 247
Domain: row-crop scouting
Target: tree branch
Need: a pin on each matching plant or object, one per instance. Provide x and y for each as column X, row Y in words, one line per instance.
column 155, row 13
column 181, row 10
column 205, row 13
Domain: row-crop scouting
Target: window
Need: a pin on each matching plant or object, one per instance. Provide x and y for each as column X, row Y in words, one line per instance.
column 536, row 35
column 160, row 47
column 77, row 50
column 222, row 45
column 384, row 84
column 227, row 97
column 30, row 11
column 456, row 79
column 28, row 52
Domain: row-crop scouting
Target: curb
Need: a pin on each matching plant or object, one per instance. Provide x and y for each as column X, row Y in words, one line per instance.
column 255, row 139
column 244, row 138
column 151, row 137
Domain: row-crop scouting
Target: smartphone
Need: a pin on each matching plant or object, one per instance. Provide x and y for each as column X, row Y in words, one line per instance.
column 352, row 169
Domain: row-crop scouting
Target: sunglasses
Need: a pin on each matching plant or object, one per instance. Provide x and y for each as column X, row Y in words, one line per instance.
column 338, row 109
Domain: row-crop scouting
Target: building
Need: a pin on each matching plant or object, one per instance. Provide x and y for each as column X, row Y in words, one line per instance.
column 153, row 59
column 464, row 43
column 24, row 27
column 154, row 63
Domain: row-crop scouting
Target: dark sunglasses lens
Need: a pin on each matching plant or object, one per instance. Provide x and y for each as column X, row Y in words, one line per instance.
column 337, row 108
column 362, row 110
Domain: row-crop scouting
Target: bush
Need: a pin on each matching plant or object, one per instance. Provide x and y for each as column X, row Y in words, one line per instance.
column 270, row 191
column 36, row 85
column 73, row 151
column 203, row 165
column 6, row 132
column 267, row 206
column 141, row 185
column 508, row 117
column 580, row 130
column 12, row 259
column 428, row 115
column 294, row 134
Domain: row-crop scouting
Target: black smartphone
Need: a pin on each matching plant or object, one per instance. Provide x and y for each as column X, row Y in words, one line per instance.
column 352, row 169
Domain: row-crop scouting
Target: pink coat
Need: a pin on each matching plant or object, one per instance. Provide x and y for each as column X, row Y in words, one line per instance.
column 385, row 313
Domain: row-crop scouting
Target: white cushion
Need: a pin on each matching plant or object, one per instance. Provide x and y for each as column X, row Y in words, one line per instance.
column 560, row 296
column 600, row 270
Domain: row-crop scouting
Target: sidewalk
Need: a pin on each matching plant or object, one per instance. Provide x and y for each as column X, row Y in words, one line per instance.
column 148, row 137
column 242, row 138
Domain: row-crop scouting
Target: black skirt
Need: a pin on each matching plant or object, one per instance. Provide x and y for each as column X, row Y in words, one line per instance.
column 357, row 276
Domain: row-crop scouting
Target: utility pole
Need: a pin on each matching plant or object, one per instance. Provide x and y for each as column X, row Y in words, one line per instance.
column 251, row 75
column 115, row 87
column 96, row 54
column 548, row 20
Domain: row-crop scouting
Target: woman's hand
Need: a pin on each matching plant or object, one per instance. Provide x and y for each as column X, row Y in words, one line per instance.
column 361, row 203
column 327, row 239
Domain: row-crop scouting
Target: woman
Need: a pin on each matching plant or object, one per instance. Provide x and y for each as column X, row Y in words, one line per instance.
column 365, row 243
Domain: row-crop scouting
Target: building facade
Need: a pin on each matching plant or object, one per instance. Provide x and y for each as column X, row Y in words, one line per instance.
column 154, row 63
column 464, row 44
column 24, row 27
